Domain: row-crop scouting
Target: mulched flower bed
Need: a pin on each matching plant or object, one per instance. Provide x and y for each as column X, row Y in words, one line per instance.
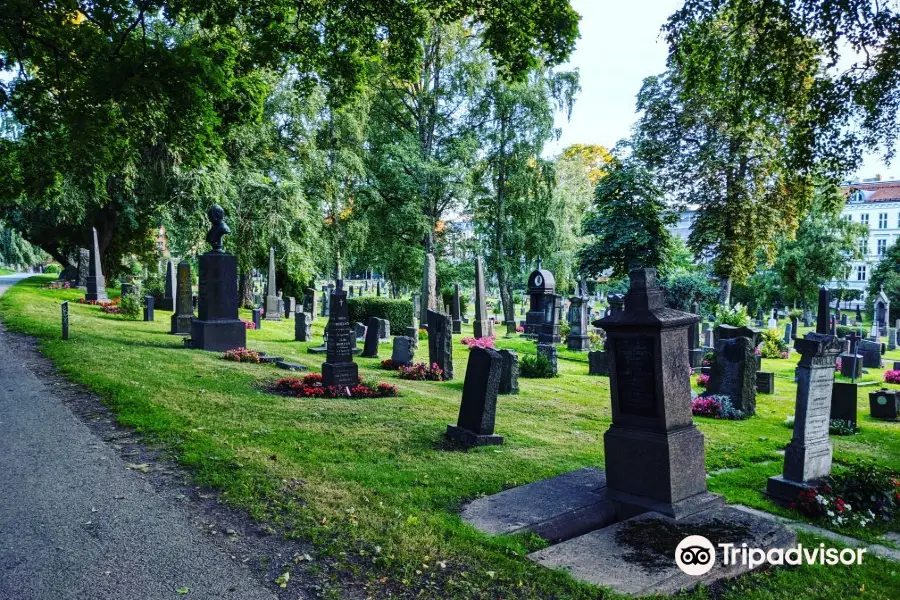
column 311, row 386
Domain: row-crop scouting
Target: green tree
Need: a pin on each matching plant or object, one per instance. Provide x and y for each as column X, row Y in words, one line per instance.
column 514, row 194
column 627, row 224
column 731, row 136
column 886, row 274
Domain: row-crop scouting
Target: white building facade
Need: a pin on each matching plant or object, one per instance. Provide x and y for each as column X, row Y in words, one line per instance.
column 877, row 205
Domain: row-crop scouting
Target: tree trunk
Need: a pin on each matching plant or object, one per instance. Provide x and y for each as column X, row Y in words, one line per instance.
column 725, row 291
column 245, row 291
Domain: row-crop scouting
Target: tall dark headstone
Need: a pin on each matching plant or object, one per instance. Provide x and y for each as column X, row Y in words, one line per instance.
column 882, row 309
column 339, row 368
column 309, row 301
column 290, row 307
column 807, row 458
column 859, row 317
column 217, row 326
column 440, row 342
column 170, row 287
column 655, row 456
column 83, row 268
column 475, row 425
column 64, row 309
column 184, row 307
column 95, row 283
column 734, row 371
column 578, row 339
column 481, row 325
column 370, row 349
column 273, row 302
column 822, row 324
column 149, row 301
column 542, row 300
column 455, row 310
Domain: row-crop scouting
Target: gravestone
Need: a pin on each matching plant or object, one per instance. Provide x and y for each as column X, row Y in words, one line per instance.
column 274, row 308
column 440, row 342
column 302, row 325
column 843, row 402
column 807, row 458
column 257, row 318
column 844, row 320
column 404, row 350
column 550, row 353
column 83, row 269
column 290, row 307
column 542, row 300
column 787, row 333
column 309, row 301
column 598, row 362
column 325, row 301
column 217, row 326
column 859, row 316
column 148, row 308
column 167, row 302
column 708, row 339
column 765, row 382
column 339, row 368
column 481, row 326
column 417, row 307
column 871, row 354
column 734, row 370
column 384, row 329
column 795, row 327
column 884, row 404
column 822, row 318
column 360, row 330
column 882, row 309
column 654, row 453
column 429, row 285
column 891, row 339
column 370, row 350
column 378, row 288
column 127, row 289
column 695, row 352
column 509, row 374
column 578, row 339
column 475, row 425
column 64, row 310
column 350, row 291
column 455, row 315
column 95, row 282
column 184, row 308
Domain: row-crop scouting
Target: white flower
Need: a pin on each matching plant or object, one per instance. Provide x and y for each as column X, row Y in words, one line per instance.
column 830, row 513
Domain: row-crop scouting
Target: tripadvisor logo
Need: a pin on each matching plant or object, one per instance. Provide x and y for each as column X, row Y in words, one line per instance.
column 695, row 555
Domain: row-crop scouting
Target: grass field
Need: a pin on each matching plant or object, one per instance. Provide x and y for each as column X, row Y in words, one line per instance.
column 371, row 482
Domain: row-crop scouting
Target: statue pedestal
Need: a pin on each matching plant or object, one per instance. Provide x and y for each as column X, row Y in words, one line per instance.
column 217, row 327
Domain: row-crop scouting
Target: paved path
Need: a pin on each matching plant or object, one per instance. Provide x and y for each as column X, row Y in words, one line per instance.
column 76, row 523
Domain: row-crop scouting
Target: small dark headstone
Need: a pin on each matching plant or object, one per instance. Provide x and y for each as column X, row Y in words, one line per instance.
column 384, row 329
column 127, row 289
column 475, row 425
column 148, row 308
column 64, row 308
column 302, row 325
column 290, row 307
column 360, row 330
column 843, row 402
column 404, row 350
column 871, row 353
column 370, row 350
column 885, row 404
column 509, row 375
column 844, row 320
column 167, row 302
column 822, row 319
column 765, row 382
column 440, row 342
column 848, row 361
column 598, row 363
column 257, row 318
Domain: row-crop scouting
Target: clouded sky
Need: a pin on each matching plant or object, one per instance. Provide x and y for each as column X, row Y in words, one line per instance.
column 620, row 45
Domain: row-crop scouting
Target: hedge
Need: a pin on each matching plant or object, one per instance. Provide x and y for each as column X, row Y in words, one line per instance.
column 398, row 312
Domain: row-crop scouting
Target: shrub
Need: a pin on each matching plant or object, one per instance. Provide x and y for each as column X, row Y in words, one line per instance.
column 536, row 366
column 892, row 376
column 841, row 427
column 564, row 330
column 795, row 314
column 421, row 372
column 732, row 315
column 845, row 330
column 130, row 307
column 423, row 334
column 773, row 345
column 242, row 355
column 709, row 359
column 51, row 269
column 154, row 286
column 398, row 312
column 597, row 340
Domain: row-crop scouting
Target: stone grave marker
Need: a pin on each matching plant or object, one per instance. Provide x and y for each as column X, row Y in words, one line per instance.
column 765, row 382
column 429, row 285
column 339, row 368
column 578, row 339
column 290, row 307
column 217, row 326
column 884, row 404
column 481, row 326
column 550, row 352
column 455, row 315
column 83, row 268
column 843, row 402
column 274, row 304
column 871, row 354
column 882, row 309
column 891, row 338
column 404, row 350
column 360, row 331
column 302, row 325
column 95, row 282
column 477, row 412
column 384, row 329
column 440, row 342
column 542, row 298
column 148, row 308
column 184, row 308
column 598, row 363
column 64, row 310
column 370, row 350
column 734, row 371
column 509, row 374
column 807, row 458
column 787, row 333
column 257, row 318
column 167, row 302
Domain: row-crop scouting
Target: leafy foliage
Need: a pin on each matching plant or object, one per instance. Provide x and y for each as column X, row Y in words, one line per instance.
column 536, row 366
column 735, row 316
column 398, row 312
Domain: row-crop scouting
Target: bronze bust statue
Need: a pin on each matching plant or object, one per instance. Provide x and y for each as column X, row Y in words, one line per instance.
column 219, row 229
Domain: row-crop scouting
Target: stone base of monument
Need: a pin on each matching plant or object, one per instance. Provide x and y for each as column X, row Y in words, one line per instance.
column 784, row 491
column 695, row 358
column 218, row 336
column 181, row 324
column 578, row 343
column 470, row 438
column 291, row 366
column 340, row 374
column 636, row 556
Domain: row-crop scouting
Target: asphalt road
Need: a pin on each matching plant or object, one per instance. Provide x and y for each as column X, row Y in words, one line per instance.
column 76, row 523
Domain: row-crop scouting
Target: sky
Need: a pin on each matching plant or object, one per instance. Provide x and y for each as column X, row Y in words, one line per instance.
column 620, row 45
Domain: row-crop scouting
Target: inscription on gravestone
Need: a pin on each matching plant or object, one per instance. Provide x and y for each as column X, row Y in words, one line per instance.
column 636, row 377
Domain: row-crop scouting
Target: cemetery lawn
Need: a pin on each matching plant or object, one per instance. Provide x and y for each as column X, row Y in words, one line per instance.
column 371, row 482
column 6, row 272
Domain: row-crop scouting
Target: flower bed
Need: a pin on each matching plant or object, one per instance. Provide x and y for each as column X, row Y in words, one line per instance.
column 248, row 324
column 717, row 406
column 483, row 342
column 421, row 372
column 311, row 387
column 242, row 355
column 390, row 365
column 855, row 497
column 703, row 380
column 892, row 376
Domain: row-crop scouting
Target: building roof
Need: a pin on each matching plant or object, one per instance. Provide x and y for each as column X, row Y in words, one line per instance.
column 875, row 191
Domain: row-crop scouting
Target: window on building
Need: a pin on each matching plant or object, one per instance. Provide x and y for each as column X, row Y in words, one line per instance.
column 882, row 247
column 864, row 218
column 882, row 220
column 861, row 273
column 850, row 217
column 863, row 246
